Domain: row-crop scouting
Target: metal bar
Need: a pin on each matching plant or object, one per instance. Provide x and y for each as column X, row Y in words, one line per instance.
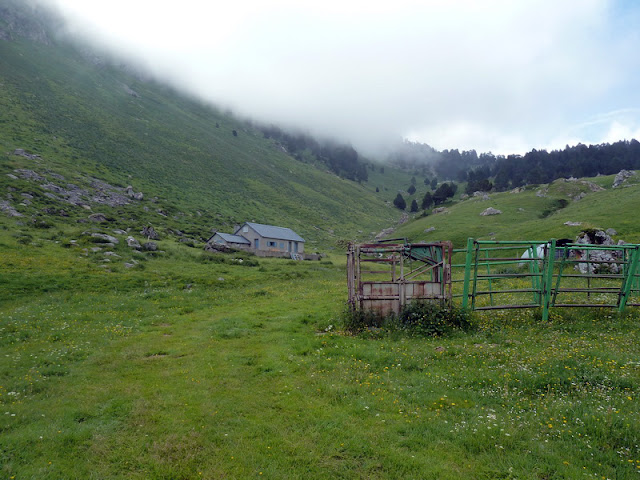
column 510, row 275
column 594, row 289
column 489, row 279
column 547, row 280
column 571, row 275
column 507, row 307
column 510, row 242
column 475, row 275
column 626, row 283
column 515, row 290
column 592, row 305
column 467, row 274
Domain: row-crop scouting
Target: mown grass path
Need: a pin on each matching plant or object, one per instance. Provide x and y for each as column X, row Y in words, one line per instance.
column 187, row 369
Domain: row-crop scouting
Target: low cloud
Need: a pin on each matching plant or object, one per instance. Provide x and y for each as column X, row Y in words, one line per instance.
column 496, row 75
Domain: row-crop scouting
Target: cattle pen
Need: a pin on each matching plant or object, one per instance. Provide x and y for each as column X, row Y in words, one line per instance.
column 490, row 275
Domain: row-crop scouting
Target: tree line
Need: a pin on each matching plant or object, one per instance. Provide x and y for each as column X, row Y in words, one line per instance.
column 341, row 159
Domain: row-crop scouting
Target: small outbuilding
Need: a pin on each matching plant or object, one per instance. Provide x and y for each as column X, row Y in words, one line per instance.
column 271, row 238
column 228, row 240
column 264, row 241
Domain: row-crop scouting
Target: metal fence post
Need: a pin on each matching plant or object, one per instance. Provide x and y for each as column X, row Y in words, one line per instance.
column 628, row 279
column 467, row 273
column 547, row 279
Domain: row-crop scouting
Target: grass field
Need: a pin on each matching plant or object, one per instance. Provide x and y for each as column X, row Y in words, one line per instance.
column 197, row 366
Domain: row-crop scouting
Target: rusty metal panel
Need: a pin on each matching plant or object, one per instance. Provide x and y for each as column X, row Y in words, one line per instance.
column 412, row 271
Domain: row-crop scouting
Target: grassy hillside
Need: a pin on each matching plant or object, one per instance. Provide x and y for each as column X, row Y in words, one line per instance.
column 91, row 120
column 536, row 213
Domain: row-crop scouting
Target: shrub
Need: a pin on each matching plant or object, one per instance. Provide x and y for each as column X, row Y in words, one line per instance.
column 419, row 318
column 356, row 321
column 432, row 319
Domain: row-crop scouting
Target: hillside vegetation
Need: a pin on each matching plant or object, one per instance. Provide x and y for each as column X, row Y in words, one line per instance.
column 86, row 119
column 536, row 213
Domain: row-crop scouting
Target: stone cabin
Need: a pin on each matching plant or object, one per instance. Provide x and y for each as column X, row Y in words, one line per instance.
column 263, row 240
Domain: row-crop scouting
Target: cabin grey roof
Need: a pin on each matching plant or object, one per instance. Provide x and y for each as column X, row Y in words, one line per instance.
column 270, row 231
column 227, row 237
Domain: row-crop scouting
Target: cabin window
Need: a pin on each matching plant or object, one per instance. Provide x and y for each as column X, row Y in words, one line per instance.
column 272, row 244
column 281, row 245
column 245, row 229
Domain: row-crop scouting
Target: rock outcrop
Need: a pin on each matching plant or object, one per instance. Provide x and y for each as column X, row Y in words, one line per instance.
column 602, row 261
column 622, row 177
column 491, row 211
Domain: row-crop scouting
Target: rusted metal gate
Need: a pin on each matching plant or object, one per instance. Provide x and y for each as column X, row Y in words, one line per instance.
column 398, row 274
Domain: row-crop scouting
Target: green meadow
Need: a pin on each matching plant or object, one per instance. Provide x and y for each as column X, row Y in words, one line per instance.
column 194, row 365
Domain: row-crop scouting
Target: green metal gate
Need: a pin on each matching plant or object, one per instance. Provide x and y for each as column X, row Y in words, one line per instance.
column 497, row 276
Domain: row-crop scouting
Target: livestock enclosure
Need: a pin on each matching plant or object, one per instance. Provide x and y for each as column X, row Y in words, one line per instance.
column 494, row 275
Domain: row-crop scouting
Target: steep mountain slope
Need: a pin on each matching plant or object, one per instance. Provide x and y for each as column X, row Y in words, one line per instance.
column 88, row 119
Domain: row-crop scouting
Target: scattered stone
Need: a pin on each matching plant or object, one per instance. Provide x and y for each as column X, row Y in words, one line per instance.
column 29, row 175
column 133, row 243
column 131, row 194
column 130, row 91
column 52, row 196
column 491, row 211
column 57, row 176
column 604, row 260
column 12, row 176
column 517, row 190
column 150, row 233
column 8, row 209
column 622, row 177
column 440, row 349
column 161, row 212
column 27, row 195
column 112, row 254
column 440, row 210
column 464, row 196
column 119, row 232
column 594, row 187
column 430, row 229
column 104, row 238
column 98, row 218
column 542, row 193
column 150, row 246
column 129, row 265
column 221, row 279
column 482, row 195
column 611, row 232
column 384, row 233
column 20, row 152
column 96, row 249
column 573, row 224
column 579, row 197
column 404, row 218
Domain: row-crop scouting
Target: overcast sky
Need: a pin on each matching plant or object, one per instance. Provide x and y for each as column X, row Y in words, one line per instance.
column 493, row 75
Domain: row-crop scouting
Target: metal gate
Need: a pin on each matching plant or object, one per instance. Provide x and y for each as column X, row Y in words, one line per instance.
column 497, row 276
column 384, row 277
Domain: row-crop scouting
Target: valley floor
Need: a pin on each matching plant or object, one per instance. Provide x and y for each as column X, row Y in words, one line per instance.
column 188, row 368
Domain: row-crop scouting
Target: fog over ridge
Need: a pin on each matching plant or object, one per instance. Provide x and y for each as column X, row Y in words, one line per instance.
column 496, row 76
